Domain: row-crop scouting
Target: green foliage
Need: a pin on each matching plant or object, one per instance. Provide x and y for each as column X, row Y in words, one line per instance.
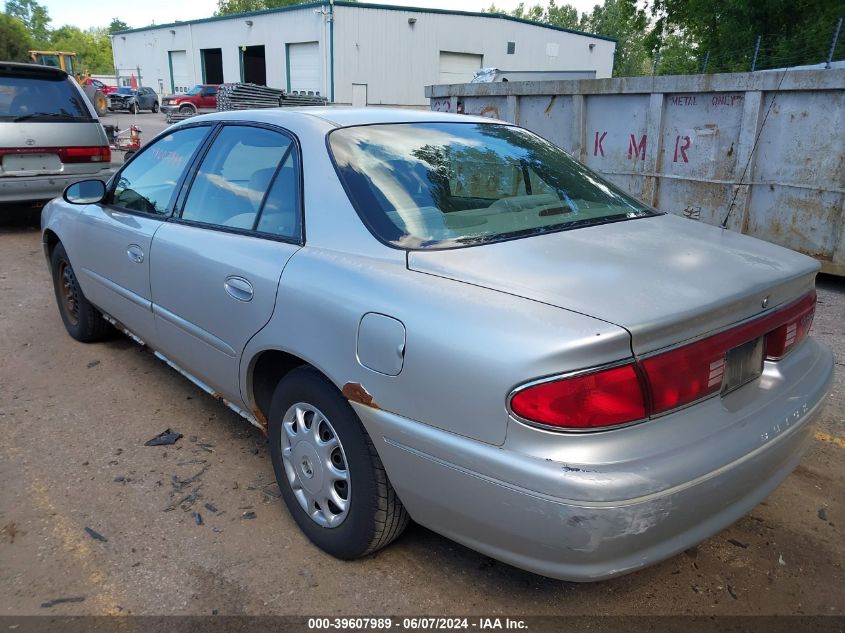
column 792, row 33
column 25, row 26
column 15, row 42
column 34, row 17
column 117, row 25
column 228, row 7
column 93, row 46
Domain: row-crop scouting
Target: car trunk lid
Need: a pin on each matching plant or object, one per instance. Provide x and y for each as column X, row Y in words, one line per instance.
column 665, row 279
column 36, row 148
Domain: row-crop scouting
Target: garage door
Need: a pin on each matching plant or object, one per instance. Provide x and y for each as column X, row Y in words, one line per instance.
column 304, row 67
column 180, row 80
column 458, row 68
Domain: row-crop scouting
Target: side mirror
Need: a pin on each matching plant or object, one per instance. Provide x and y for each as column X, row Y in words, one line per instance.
column 85, row 192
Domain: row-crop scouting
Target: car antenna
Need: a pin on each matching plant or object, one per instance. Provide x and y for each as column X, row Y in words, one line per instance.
column 724, row 223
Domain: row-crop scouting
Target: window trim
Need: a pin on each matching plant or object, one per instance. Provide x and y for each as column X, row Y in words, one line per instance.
column 176, row 215
column 180, row 183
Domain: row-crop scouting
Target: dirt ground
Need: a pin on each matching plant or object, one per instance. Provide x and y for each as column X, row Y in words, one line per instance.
column 74, row 419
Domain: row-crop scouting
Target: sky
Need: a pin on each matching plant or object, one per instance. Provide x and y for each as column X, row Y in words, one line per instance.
column 85, row 13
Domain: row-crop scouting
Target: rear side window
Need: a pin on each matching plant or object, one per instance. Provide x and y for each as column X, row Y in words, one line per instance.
column 148, row 183
column 234, row 177
column 40, row 98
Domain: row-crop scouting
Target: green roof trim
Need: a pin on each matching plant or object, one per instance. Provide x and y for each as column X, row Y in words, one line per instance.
column 366, row 5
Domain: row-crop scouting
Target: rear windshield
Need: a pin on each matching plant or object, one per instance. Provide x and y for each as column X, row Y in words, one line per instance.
column 28, row 98
column 444, row 185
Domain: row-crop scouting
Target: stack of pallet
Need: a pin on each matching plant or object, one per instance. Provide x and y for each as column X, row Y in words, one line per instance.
column 248, row 96
column 173, row 117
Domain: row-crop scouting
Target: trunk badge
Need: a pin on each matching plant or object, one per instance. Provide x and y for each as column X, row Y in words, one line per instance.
column 30, row 141
column 766, row 302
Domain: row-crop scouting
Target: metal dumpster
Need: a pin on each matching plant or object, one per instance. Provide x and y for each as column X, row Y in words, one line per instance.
column 684, row 144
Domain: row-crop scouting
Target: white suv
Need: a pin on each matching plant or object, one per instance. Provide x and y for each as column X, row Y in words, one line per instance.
column 50, row 135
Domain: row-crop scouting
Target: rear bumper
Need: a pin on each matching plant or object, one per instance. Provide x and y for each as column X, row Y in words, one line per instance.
column 41, row 188
column 600, row 519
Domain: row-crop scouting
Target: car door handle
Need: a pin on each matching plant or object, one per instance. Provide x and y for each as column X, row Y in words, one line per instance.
column 135, row 254
column 239, row 288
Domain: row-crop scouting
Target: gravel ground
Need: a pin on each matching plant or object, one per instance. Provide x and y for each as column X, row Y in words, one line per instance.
column 88, row 512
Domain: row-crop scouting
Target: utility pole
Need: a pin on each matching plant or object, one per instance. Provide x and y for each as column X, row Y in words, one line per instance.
column 833, row 43
column 656, row 62
column 756, row 52
column 706, row 61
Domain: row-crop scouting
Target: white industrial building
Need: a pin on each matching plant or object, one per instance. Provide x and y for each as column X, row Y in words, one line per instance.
column 352, row 52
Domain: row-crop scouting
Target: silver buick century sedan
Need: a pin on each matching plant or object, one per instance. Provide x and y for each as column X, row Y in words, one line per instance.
column 448, row 319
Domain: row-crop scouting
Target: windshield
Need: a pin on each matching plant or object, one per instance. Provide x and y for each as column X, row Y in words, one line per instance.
column 43, row 98
column 443, row 185
column 195, row 90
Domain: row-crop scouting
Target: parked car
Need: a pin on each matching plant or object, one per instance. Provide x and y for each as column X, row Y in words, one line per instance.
column 99, row 85
column 200, row 97
column 450, row 319
column 125, row 98
column 50, row 135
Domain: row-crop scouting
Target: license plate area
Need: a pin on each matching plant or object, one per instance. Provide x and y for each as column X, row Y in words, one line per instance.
column 25, row 164
column 743, row 364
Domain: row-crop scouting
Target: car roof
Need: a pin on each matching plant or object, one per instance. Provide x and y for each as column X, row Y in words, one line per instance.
column 17, row 68
column 341, row 116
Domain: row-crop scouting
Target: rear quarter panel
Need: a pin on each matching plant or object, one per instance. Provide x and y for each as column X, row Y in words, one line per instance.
column 466, row 347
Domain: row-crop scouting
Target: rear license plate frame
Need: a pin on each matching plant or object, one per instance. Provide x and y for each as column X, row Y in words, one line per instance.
column 743, row 364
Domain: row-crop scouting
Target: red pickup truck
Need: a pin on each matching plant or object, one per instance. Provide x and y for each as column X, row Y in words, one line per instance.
column 200, row 97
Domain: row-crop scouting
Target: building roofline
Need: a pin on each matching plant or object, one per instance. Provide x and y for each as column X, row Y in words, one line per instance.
column 366, row 5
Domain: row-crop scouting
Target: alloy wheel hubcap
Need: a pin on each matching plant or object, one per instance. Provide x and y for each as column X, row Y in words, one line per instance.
column 315, row 465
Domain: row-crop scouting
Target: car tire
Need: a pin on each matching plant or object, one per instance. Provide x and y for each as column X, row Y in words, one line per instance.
column 155, row 107
column 374, row 516
column 82, row 320
column 186, row 109
column 134, row 109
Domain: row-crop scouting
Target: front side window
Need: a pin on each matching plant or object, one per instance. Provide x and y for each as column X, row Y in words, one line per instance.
column 234, row 177
column 148, row 183
column 444, row 185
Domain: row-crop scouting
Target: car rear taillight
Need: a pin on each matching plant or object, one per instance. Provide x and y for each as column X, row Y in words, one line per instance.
column 601, row 399
column 799, row 321
column 660, row 383
column 85, row 154
column 99, row 154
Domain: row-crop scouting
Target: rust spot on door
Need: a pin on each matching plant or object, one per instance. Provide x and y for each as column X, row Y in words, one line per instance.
column 355, row 392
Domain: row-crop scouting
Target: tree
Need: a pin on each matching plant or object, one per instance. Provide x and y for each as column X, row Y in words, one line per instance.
column 15, row 42
column 228, row 7
column 34, row 17
column 627, row 23
column 117, row 25
column 92, row 45
column 728, row 29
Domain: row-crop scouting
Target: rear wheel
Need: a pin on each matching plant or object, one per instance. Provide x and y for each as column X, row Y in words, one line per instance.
column 155, row 107
column 330, row 475
column 82, row 320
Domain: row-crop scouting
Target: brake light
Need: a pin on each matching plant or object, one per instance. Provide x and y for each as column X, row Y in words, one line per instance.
column 661, row 383
column 85, row 154
column 587, row 401
column 794, row 330
column 100, row 154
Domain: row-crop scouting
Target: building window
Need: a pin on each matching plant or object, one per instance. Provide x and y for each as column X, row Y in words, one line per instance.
column 511, row 48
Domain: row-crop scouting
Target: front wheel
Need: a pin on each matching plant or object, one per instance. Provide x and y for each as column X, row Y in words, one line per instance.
column 186, row 109
column 330, row 475
column 134, row 109
column 82, row 320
